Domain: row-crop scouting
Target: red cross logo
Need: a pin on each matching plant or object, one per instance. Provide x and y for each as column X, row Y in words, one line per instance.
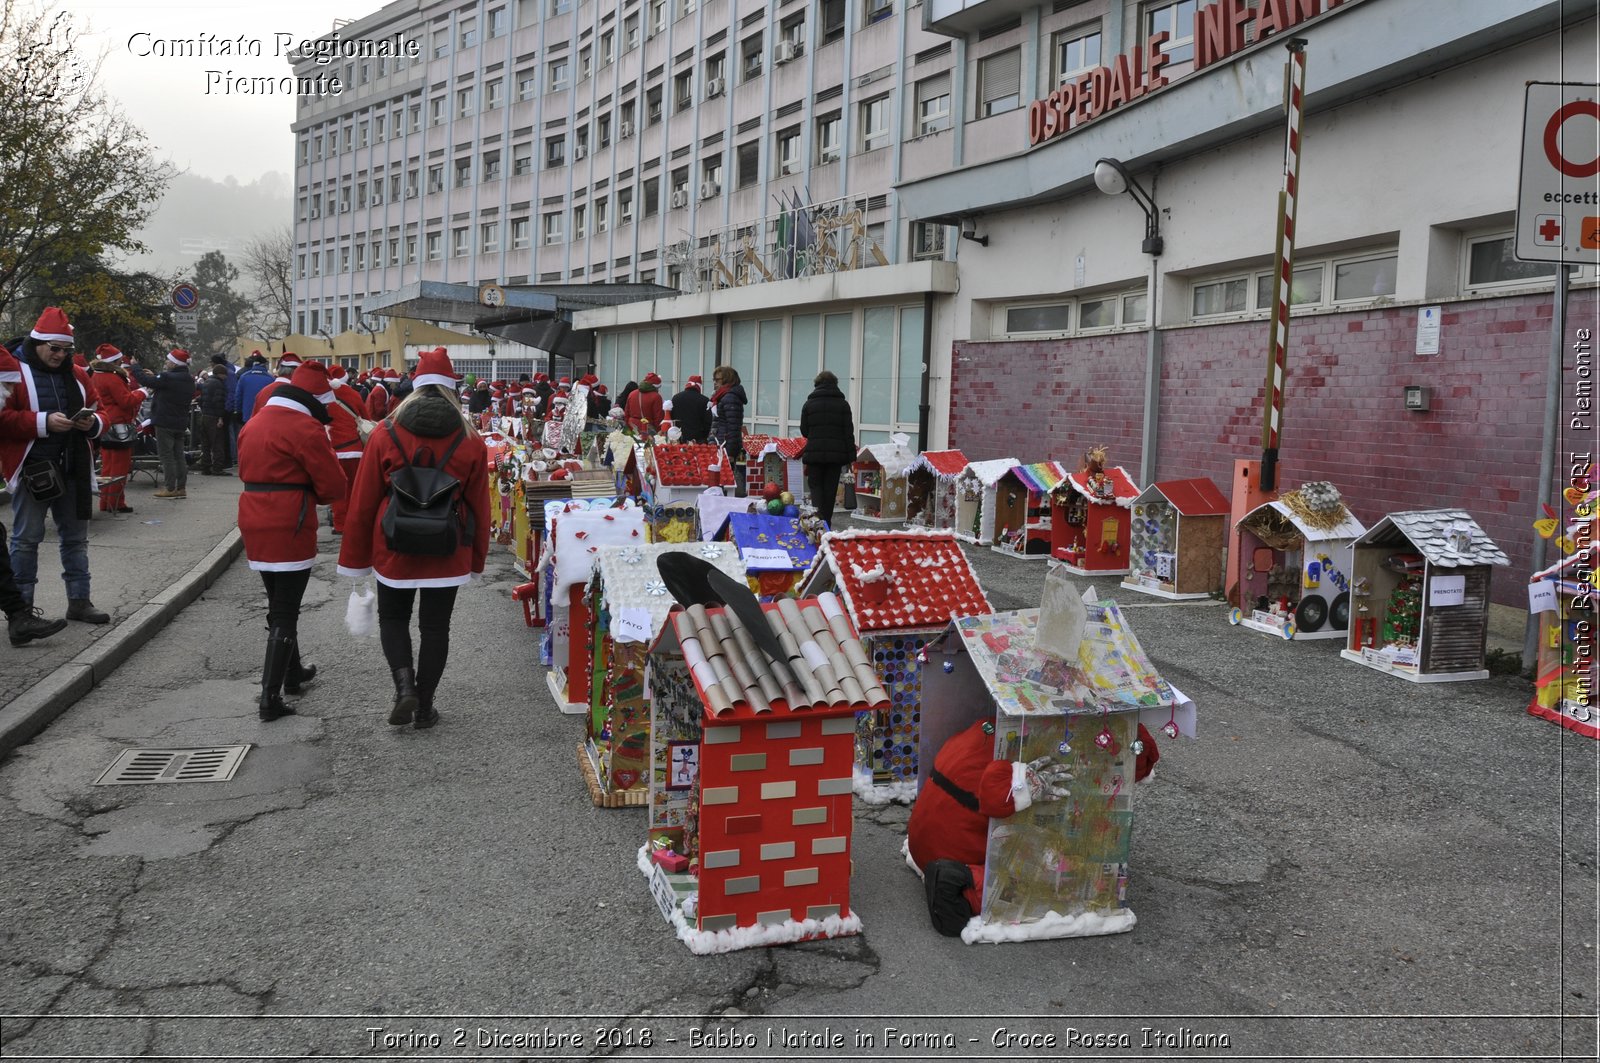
column 1547, row 230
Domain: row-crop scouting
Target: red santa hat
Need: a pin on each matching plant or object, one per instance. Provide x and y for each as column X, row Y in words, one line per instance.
column 588, row 380
column 107, row 353
column 313, row 377
column 695, row 382
column 434, row 368
column 652, row 378
column 53, row 326
column 178, row 356
column 540, row 376
column 361, row 377
column 565, row 382
column 599, row 389
column 336, row 372
column 289, row 360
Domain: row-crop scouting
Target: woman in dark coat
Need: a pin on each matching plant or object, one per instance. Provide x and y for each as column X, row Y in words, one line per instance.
column 830, row 431
column 727, row 420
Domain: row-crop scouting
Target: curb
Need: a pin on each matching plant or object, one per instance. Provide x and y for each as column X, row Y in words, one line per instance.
column 36, row 707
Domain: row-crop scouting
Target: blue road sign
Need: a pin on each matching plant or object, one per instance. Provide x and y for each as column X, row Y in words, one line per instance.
column 185, row 297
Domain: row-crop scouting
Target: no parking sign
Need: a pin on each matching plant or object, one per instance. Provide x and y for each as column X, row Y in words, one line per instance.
column 1558, row 198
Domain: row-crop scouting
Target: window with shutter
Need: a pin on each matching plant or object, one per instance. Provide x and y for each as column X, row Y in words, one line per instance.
column 999, row 83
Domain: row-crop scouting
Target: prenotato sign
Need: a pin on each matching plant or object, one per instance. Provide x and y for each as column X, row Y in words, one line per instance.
column 1558, row 196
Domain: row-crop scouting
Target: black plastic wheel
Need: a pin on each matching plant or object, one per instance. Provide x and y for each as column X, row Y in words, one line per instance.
column 1339, row 612
column 1311, row 613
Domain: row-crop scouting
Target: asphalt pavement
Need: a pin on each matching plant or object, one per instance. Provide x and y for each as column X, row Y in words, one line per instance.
column 1344, row 865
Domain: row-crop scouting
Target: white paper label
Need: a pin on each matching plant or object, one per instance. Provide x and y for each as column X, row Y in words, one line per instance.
column 1428, row 318
column 631, row 625
column 662, row 891
column 766, row 559
column 1447, row 590
column 1542, row 597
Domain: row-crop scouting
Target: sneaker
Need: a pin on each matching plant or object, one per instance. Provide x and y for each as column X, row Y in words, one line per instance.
column 165, row 492
column 31, row 624
column 82, row 609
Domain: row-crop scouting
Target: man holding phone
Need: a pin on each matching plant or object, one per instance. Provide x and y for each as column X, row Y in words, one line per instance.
column 45, row 426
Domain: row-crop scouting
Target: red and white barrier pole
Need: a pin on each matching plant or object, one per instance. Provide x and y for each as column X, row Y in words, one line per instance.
column 1294, row 104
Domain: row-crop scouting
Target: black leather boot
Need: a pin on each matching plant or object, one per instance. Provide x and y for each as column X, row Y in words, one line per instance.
column 405, row 697
column 298, row 675
column 271, row 706
column 426, row 715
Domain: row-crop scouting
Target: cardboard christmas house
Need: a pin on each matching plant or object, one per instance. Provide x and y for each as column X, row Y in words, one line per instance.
column 679, row 472
column 1089, row 521
column 751, row 779
column 714, row 508
column 900, row 588
column 763, row 464
column 880, row 473
column 1293, row 570
column 931, row 488
column 1420, row 594
column 975, row 499
column 1180, row 528
column 776, row 550
column 788, row 449
column 1566, row 682
column 1022, row 521
column 627, row 604
column 1061, row 868
column 578, row 529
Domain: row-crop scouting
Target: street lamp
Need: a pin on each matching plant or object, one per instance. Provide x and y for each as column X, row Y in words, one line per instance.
column 1113, row 178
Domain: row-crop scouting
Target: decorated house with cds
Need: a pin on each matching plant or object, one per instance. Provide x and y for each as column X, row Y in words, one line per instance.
column 1418, row 606
column 776, row 550
column 880, row 473
column 627, row 603
column 1565, row 689
column 1292, row 575
column 1090, row 518
column 1070, row 682
column 1022, row 520
column 750, row 803
column 975, row 499
column 931, row 488
column 900, row 589
column 1179, row 531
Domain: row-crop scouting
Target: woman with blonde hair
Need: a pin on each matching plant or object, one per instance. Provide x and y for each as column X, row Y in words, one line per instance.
column 727, row 420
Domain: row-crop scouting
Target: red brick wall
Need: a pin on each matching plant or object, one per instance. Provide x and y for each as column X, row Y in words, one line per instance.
column 1344, row 415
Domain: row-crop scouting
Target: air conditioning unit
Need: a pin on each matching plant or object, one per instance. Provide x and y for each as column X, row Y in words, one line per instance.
column 714, row 87
column 578, row 152
column 710, row 189
column 785, row 51
column 625, row 130
column 680, row 198
column 344, row 208
column 411, row 193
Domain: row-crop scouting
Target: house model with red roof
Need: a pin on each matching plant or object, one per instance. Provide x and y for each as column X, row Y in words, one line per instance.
column 931, row 488
column 1179, row 531
column 1022, row 521
column 788, row 449
column 678, row 472
column 1090, row 518
column 763, row 464
column 750, row 813
column 900, row 588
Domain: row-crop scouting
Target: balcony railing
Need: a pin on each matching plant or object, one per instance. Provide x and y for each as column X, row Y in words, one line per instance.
column 804, row 240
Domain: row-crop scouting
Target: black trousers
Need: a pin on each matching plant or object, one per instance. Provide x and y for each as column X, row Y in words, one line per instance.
column 823, row 481
column 11, row 600
column 284, row 593
column 433, row 625
column 213, row 444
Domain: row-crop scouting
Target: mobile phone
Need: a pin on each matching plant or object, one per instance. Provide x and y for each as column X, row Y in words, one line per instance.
column 84, row 412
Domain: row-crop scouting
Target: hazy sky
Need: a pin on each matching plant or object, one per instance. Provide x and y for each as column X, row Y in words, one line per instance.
column 212, row 135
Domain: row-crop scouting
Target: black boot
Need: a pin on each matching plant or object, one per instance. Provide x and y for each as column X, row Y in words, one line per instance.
column 298, row 675
column 405, row 697
column 271, row 705
column 426, row 716
column 943, row 881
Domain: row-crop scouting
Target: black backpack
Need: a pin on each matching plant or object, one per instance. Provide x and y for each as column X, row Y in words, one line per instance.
column 424, row 515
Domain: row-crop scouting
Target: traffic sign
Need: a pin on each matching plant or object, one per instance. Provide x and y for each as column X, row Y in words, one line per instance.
column 187, row 322
column 1558, row 197
column 185, row 297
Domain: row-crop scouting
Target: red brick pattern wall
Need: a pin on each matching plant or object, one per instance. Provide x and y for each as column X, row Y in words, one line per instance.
column 1344, row 416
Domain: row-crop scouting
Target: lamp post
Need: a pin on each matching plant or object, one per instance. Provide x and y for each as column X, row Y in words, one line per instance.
column 1113, row 178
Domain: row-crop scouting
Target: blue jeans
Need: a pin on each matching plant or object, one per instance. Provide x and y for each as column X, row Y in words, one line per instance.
column 28, row 531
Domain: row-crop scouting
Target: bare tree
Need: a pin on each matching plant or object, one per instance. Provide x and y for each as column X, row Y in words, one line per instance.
column 267, row 262
column 77, row 179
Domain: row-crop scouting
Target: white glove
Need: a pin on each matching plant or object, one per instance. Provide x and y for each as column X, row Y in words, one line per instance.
column 1046, row 780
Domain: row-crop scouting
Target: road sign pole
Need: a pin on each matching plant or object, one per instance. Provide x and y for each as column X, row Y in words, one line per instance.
column 1294, row 91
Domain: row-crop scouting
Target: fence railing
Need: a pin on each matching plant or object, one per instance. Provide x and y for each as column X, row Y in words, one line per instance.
column 803, row 240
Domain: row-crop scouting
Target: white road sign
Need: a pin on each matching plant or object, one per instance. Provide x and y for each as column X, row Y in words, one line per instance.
column 186, row 322
column 1558, row 200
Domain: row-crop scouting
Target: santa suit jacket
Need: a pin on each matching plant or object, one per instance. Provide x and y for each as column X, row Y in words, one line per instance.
column 343, row 431
column 281, row 447
column 645, row 406
column 365, row 550
column 378, row 402
column 21, row 421
column 118, row 402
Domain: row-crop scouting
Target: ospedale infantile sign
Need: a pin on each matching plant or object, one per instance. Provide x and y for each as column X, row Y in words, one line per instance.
column 1221, row 30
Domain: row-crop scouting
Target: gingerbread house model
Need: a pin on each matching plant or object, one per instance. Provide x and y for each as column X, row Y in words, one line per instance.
column 1292, row 575
column 572, row 548
column 1089, row 522
column 1179, row 530
column 880, row 473
column 900, row 588
column 678, row 472
column 770, row 817
column 975, row 499
column 1022, row 519
column 931, row 488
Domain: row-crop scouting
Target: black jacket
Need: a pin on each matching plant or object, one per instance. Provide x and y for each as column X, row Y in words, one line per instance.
column 727, row 420
column 479, row 401
column 172, row 392
column 829, row 428
column 214, row 395
column 691, row 412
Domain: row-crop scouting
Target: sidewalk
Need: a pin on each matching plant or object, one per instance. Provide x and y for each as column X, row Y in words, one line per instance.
column 145, row 567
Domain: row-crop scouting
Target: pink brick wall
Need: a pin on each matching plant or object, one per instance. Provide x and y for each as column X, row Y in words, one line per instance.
column 1344, row 416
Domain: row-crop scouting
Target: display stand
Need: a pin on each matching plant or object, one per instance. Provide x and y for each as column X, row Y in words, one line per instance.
column 1179, row 531
column 1293, row 568
column 1420, row 596
column 1022, row 517
column 880, row 474
column 931, row 488
column 900, row 589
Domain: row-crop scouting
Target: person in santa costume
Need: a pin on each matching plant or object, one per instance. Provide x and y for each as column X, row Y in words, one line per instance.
column 347, row 411
column 119, row 405
column 287, row 365
column 288, row 466
column 644, row 409
column 378, row 396
column 427, row 429
column 968, row 786
column 46, row 423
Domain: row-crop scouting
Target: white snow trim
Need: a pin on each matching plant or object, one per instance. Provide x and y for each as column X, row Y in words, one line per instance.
column 988, row 473
column 285, row 404
column 1048, row 926
column 437, row 581
column 876, row 574
column 42, row 429
column 898, row 792
column 708, row 942
column 343, row 454
column 354, row 573
column 282, row 566
column 435, row 378
column 1020, row 797
column 905, row 851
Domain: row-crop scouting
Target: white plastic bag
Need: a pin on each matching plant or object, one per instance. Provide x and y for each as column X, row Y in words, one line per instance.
column 361, row 615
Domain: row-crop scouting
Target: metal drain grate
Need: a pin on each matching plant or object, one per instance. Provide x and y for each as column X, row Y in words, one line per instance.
column 135, row 767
